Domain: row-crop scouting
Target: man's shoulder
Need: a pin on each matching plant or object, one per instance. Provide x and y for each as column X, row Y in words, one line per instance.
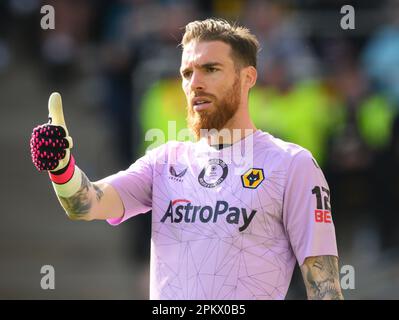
column 285, row 149
column 289, row 156
column 168, row 151
column 168, row 146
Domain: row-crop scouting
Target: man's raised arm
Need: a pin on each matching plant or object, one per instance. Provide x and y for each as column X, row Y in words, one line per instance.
column 81, row 199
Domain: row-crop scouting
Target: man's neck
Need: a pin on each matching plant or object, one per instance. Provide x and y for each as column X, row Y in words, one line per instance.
column 236, row 129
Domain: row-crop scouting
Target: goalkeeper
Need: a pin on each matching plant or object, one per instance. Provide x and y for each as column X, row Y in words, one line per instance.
column 231, row 213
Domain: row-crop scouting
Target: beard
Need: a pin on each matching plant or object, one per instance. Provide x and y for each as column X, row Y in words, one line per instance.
column 216, row 117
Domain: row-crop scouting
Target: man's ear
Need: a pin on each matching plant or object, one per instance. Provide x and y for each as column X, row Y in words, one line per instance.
column 250, row 76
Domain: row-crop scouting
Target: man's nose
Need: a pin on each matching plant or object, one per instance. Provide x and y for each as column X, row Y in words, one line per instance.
column 197, row 81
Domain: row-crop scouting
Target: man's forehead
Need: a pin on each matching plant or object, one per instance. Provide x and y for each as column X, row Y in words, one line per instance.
column 204, row 51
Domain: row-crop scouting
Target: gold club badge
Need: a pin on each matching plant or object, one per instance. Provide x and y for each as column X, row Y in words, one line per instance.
column 252, row 178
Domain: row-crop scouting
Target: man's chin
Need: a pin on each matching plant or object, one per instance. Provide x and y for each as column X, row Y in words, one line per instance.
column 209, row 119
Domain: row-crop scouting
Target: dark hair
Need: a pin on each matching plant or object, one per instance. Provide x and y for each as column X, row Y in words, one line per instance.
column 243, row 43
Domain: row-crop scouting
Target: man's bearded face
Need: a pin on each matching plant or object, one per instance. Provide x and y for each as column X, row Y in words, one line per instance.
column 222, row 109
column 212, row 85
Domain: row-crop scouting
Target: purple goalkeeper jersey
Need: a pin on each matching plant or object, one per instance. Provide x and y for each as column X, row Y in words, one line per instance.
column 228, row 223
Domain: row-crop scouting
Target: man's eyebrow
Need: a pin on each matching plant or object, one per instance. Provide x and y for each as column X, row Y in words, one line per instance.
column 204, row 66
column 183, row 70
column 210, row 65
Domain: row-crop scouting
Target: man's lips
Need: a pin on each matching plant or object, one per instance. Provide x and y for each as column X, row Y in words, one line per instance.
column 201, row 103
column 202, row 106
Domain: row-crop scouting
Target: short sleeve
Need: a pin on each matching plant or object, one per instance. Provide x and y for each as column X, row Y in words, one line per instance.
column 134, row 186
column 307, row 210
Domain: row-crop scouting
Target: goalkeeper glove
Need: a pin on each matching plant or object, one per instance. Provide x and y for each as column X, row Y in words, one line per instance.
column 50, row 146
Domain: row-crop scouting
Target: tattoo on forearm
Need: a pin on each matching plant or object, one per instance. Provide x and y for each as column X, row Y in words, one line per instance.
column 80, row 203
column 321, row 278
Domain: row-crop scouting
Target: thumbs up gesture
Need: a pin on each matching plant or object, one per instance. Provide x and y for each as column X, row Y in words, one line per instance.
column 50, row 143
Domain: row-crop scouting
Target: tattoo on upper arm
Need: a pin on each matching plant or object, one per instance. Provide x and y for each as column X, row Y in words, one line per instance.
column 321, row 277
column 80, row 203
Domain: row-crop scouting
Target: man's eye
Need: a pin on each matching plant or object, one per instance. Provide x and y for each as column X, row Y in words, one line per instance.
column 187, row 74
column 211, row 69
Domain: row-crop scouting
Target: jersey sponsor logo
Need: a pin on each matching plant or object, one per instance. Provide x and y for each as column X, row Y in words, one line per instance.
column 252, row 178
column 322, row 214
column 176, row 176
column 183, row 211
column 213, row 174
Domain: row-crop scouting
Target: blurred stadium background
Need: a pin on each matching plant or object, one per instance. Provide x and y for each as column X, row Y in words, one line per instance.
column 116, row 63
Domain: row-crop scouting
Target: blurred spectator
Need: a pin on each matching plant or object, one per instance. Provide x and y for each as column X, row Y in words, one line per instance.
column 381, row 56
column 280, row 35
column 227, row 9
column 300, row 112
column 289, row 101
column 360, row 141
column 61, row 47
column 388, row 185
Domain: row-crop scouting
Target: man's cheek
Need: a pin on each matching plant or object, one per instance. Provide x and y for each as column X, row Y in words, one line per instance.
column 184, row 85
